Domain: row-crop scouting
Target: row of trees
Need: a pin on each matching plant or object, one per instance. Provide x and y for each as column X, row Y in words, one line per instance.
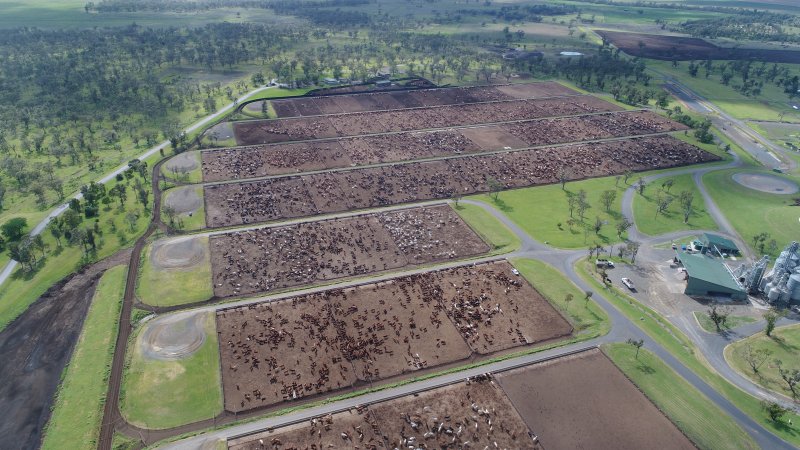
column 747, row 77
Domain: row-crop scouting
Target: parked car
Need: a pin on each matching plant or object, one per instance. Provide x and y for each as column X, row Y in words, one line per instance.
column 515, row 271
column 628, row 283
column 604, row 263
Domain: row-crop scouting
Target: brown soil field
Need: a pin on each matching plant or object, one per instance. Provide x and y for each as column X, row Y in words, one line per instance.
column 335, row 338
column 585, row 401
column 267, row 259
column 306, row 195
column 687, row 48
column 272, row 131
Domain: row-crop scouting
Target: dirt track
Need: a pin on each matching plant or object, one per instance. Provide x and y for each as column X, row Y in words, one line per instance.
column 35, row 348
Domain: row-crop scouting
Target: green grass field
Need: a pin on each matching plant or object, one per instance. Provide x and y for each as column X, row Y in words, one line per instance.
column 691, row 411
column 784, row 345
column 169, row 287
column 78, row 410
column 489, row 228
column 644, row 208
column 163, row 394
column 752, row 212
column 539, row 210
column 587, row 318
column 732, row 322
column 768, row 106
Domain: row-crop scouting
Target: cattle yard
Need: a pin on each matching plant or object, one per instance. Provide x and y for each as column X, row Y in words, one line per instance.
column 519, row 409
column 267, row 259
column 329, row 192
column 312, row 344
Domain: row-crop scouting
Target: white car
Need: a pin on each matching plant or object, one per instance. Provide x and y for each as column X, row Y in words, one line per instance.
column 628, row 283
column 515, row 271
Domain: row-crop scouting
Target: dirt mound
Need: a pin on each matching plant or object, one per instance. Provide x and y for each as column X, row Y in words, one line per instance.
column 173, row 337
column 221, row 131
column 766, row 183
column 184, row 200
column 184, row 162
column 183, row 253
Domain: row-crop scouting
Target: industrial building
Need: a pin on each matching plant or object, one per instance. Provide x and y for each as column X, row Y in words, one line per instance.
column 709, row 277
column 718, row 244
column 781, row 285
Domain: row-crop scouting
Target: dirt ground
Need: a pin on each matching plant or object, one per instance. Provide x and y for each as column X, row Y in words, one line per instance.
column 434, row 114
column 181, row 253
column 688, row 48
column 333, row 339
column 377, row 101
column 35, row 348
column 307, row 195
column 473, row 414
column 585, row 401
column 766, row 183
column 267, row 259
column 184, row 162
column 183, row 199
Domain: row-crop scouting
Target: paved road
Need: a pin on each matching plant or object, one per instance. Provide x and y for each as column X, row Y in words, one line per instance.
column 564, row 260
column 40, row 227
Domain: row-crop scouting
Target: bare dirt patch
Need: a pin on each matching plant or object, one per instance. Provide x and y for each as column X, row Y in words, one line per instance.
column 584, row 401
column 266, row 259
column 534, row 90
column 183, row 199
column 765, row 183
column 373, row 332
column 173, row 337
column 688, row 48
column 220, row 131
column 184, row 162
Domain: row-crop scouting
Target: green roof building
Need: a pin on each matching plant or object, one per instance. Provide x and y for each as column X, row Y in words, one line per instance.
column 723, row 244
column 708, row 277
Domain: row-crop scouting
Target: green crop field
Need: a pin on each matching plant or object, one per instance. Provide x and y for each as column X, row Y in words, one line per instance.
column 645, row 207
column 691, row 411
column 163, row 394
column 783, row 345
column 75, row 422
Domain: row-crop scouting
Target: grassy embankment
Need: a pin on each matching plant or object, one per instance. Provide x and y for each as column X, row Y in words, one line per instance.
column 162, row 394
column 645, row 206
column 494, row 232
column 78, row 410
column 691, row 411
column 784, row 345
column 674, row 341
column 732, row 322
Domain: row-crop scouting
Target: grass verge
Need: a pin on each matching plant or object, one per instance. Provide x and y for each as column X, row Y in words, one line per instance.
column 691, row 411
column 78, row 410
column 733, row 321
column 783, row 345
column 489, row 228
column 159, row 394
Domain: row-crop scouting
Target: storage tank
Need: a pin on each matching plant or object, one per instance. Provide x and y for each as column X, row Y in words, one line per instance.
column 793, row 286
column 773, row 295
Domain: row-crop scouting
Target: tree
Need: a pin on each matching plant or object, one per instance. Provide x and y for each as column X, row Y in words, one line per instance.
column 626, row 176
column 2, row 195
column 755, row 357
column 583, row 205
column 456, row 199
column 667, row 184
column 686, row 200
column 774, row 410
column 563, row 177
column 662, row 203
column 56, row 230
column 38, row 243
column 640, row 185
column 718, row 316
column 771, row 317
column 622, row 226
column 586, row 296
column 632, row 248
column 598, row 225
column 170, row 212
column 13, row 228
column 131, row 217
column 568, row 299
column 790, row 376
column 636, row 343
column 607, row 199
column 21, row 253
column 494, row 187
